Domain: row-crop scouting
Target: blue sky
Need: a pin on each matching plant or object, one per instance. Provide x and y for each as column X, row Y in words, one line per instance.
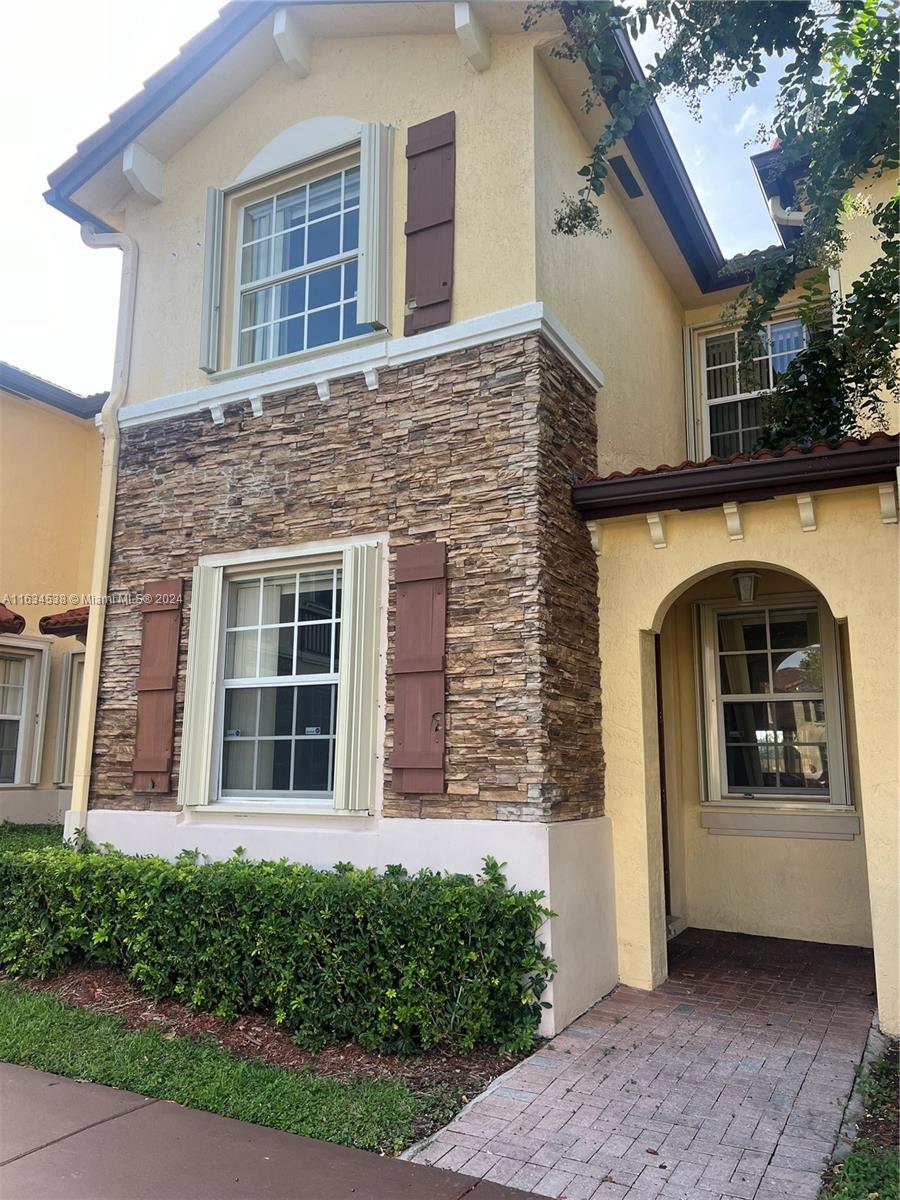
column 65, row 66
column 717, row 157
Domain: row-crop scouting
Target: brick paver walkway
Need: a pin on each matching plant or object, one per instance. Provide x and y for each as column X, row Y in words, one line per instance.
column 730, row 1080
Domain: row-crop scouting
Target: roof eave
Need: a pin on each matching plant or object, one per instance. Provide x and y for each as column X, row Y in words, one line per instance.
column 710, row 486
column 31, row 387
column 133, row 117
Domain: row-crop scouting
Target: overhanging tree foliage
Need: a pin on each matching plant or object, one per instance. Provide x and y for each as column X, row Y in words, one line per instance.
column 835, row 113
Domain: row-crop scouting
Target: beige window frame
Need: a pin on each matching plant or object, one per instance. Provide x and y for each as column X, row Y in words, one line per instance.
column 67, row 720
column 712, row 701
column 35, row 656
column 358, row 678
column 742, row 395
column 371, row 153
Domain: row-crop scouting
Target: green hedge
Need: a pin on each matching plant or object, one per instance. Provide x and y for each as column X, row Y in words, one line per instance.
column 399, row 962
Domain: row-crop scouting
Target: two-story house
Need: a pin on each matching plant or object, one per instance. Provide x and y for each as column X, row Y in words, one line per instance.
column 357, row 376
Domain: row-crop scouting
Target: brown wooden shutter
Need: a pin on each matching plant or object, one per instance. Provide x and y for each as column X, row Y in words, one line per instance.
column 431, row 184
column 417, row 763
column 156, row 685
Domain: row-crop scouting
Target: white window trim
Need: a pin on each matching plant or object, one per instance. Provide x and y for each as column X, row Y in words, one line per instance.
column 312, row 172
column 34, row 707
column 699, row 374
column 360, row 680
column 710, row 713
column 65, row 717
column 373, row 143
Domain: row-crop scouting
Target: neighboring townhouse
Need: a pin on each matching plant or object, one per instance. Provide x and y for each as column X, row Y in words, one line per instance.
column 357, row 376
column 49, row 479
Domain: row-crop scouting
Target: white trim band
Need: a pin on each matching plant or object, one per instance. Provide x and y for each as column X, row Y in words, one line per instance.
column 365, row 359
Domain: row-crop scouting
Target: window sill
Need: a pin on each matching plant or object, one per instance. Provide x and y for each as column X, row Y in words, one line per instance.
column 329, row 350
column 841, row 826
column 251, row 808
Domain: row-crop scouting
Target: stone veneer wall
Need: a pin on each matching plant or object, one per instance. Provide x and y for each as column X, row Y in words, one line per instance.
column 476, row 448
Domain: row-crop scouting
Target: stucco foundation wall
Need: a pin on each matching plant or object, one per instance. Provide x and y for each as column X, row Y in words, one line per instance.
column 476, row 449
column 570, row 862
column 612, row 297
column 806, row 888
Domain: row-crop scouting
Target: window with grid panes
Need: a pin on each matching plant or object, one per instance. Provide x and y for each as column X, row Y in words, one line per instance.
column 772, row 679
column 298, row 268
column 735, row 374
column 280, row 680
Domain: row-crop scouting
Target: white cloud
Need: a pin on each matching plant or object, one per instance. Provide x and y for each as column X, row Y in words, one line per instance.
column 746, row 117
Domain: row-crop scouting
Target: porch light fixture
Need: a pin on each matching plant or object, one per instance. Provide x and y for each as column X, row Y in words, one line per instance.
column 746, row 585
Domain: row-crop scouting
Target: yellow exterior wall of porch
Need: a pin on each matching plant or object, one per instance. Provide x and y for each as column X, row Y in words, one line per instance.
column 852, row 560
column 811, row 889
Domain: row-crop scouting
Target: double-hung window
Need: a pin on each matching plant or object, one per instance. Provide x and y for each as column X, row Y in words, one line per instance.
column 298, row 259
column 773, row 706
column 299, row 268
column 282, row 687
column 280, row 684
column 24, row 673
column 735, row 375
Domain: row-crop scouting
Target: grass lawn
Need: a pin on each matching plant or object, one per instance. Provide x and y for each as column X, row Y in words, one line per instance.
column 37, row 1030
column 29, row 837
column 871, row 1171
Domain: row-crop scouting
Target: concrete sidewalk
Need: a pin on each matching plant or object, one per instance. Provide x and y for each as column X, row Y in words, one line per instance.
column 64, row 1140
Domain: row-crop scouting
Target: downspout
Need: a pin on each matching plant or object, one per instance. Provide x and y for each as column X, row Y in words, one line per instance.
column 784, row 216
column 76, row 818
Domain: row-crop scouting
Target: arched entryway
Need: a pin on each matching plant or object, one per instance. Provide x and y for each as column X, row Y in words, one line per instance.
column 809, row 851
column 762, row 831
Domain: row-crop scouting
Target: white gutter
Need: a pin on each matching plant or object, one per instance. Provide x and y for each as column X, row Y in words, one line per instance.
column 109, row 424
column 784, row 216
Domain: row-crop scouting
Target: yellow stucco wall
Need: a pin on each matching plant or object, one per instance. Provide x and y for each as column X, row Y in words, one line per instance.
column 813, row 890
column 862, row 247
column 612, row 297
column 852, row 560
column 49, row 480
column 398, row 81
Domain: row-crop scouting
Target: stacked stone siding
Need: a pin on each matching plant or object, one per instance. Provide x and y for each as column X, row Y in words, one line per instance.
column 476, row 448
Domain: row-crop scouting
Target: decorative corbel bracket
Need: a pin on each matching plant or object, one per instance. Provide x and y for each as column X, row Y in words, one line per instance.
column 143, row 172
column 887, row 499
column 473, row 37
column 294, row 46
column 733, row 522
column 657, row 530
column 807, row 512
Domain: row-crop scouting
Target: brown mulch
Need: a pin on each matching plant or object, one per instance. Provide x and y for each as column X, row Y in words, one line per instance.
column 255, row 1036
